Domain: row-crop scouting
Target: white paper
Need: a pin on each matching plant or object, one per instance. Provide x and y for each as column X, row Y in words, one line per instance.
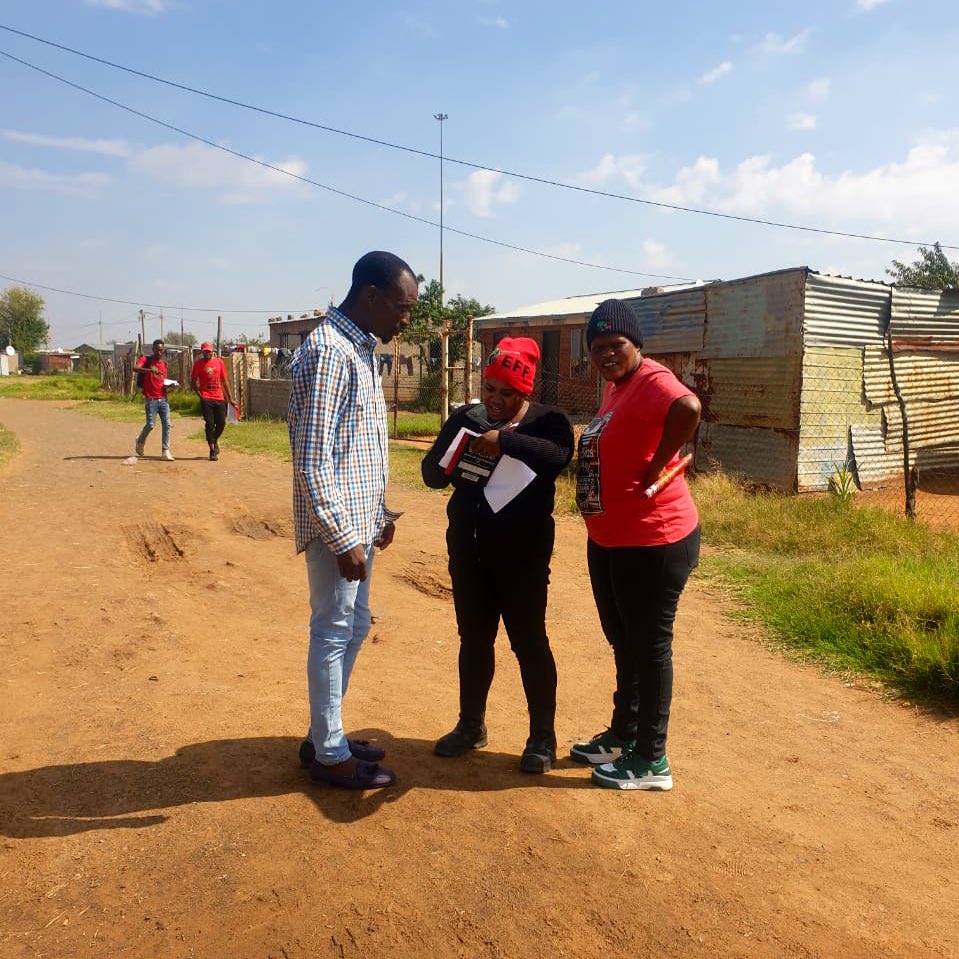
column 507, row 481
column 231, row 416
column 448, row 455
column 171, row 382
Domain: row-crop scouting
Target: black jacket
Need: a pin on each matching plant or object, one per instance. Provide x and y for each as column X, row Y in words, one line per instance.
column 543, row 440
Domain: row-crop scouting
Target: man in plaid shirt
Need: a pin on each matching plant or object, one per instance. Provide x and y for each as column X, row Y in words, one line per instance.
column 337, row 422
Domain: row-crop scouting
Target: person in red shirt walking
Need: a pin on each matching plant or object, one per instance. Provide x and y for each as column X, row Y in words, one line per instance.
column 210, row 382
column 152, row 375
column 641, row 548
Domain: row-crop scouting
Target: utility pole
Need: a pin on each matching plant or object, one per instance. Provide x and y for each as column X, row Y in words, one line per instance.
column 100, row 324
column 441, row 117
column 143, row 329
column 219, row 333
column 161, row 324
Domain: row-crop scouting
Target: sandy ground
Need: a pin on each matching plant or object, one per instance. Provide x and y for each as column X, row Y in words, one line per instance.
column 152, row 664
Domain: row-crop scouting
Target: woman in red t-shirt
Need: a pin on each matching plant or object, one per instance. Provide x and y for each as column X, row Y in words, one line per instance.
column 641, row 549
column 209, row 381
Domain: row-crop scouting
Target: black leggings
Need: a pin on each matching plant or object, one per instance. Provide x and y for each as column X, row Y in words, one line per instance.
column 637, row 590
column 214, row 418
column 488, row 584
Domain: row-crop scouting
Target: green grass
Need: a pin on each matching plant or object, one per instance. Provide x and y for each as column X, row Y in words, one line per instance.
column 8, row 445
column 414, row 424
column 100, row 402
column 857, row 589
column 62, row 386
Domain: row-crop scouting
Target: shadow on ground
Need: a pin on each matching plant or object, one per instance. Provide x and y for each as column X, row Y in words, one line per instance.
column 125, row 793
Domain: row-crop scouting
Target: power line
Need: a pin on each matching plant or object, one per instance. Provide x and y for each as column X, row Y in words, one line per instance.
column 330, row 189
column 545, row 181
column 152, row 306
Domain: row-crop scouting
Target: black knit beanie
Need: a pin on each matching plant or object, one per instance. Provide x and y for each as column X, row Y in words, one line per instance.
column 614, row 316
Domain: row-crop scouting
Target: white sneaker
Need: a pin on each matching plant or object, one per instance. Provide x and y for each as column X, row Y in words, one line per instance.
column 139, row 447
column 167, row 455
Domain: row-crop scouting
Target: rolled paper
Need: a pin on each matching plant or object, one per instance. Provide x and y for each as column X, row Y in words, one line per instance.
column 668, row 477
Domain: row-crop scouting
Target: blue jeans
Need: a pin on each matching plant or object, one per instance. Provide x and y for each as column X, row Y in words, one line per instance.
column 339, row 622
column 152, row 408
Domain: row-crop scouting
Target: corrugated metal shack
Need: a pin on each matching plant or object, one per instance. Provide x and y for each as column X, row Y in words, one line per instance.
column 793, row 371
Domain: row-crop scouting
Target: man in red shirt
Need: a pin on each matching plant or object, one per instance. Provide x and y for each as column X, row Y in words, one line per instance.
column 210, row 382
column 152, row 377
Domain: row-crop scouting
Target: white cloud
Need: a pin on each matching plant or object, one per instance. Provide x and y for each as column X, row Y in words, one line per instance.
column 866, row 5
column 655, row 253
column 916, row 193
column 484, row 188
column 800, row 121
column 202, row 167
column 148, row 8
column 717, row 73
column 773, row 43
column 629, row 167
column 86, row 185
column 116, row 148
column 819, row 89
column 395, row 200
column 569, row 251
column 501, row 23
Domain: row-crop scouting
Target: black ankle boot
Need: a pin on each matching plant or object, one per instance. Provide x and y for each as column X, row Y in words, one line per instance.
column 461, row 740
column 539, row 754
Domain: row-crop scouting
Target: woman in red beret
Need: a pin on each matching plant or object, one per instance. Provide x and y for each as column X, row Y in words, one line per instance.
column 500, row 539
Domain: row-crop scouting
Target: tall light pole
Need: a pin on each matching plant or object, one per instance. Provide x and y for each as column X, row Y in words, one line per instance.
column 441, row 117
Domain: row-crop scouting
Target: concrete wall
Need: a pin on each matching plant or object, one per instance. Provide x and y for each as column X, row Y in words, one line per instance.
column 267, row 399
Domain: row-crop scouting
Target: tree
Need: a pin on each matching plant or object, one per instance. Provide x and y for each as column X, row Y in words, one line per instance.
column 22, row 325
column 428, row 316
column 932, row 271
column 254, row 342
column 180, row 339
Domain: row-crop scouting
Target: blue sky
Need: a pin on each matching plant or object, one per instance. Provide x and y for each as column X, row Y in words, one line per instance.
column 825, row 114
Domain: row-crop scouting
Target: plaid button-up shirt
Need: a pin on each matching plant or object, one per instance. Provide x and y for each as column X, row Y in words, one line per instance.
column 337, row 423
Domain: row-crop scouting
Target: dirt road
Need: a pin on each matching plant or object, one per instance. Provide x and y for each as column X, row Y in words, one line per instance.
column 152, row 664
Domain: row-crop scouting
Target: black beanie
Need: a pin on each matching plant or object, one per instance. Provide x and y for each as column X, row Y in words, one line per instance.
column 614, row 316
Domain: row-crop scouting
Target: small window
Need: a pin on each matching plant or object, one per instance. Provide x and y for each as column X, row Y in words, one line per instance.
column 578, row 357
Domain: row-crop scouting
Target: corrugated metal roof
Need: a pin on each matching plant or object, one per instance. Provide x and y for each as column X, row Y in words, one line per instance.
column 930, row 424
column 761, row 455
column 925, row 314
column 570, row 306
column 874, row 464
column 672, row 322
column 754, row 390
column 922, row 377
column 844, row 312
column 755, row 316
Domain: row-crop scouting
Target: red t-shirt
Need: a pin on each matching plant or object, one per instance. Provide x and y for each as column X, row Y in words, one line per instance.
column 615, row 451
column 152, row 383
column 209, row 375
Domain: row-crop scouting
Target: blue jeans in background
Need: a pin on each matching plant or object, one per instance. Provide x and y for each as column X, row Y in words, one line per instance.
column 152, row 408
column 339, row 622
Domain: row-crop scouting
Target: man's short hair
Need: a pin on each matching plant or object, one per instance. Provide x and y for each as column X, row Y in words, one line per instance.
column 158, row 342
column 379, row 269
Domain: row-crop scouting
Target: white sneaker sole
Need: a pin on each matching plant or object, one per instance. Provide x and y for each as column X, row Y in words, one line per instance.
column 648, row 783
column 593, row 759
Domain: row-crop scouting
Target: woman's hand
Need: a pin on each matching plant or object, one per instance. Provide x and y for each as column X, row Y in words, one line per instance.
column 487, row 444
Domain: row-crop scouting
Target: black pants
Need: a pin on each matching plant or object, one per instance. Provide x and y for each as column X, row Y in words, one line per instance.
column 214, row 418
column 637, row 590
column 489, row 583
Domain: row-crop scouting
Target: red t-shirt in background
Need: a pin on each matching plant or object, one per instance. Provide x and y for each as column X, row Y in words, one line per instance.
column 615, row 451
column 209, row 375
column 152, row 383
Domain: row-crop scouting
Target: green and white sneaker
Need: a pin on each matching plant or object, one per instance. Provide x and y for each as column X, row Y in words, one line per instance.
column 604, row 747
column 633, row 772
